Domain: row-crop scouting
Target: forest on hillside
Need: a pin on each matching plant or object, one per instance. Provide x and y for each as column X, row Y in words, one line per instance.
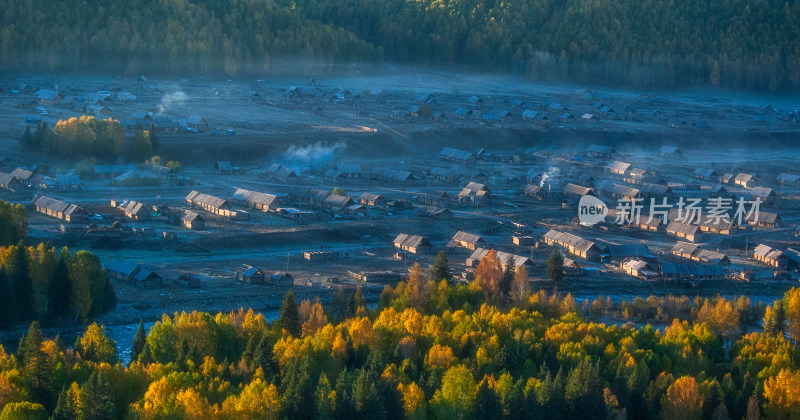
column 640, row 43
column 488, row 350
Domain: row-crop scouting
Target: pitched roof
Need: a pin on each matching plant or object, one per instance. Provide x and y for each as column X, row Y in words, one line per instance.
column 627, row 250
column 788, row 177
column 449, row 152
column 768, row 252
column 577, row 189
column 470, row 238
column 209, row 200
column 568, row 239
column 190, row 216
column 22, row 174
column 618, row 166
column 654, row 189
column 682, row 228
column 6, row 179
column 126, row 268
column 411, row 241
column 763, row 217
column 761, row 192
column 224, row 165
column 254, row 197
column 432, row 211
column 53, row 204
column 625, row 191
column 743, row 177
column 704, row 172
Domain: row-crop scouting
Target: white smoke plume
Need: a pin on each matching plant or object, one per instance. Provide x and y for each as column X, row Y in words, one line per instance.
column 312, row 155
column 551, row 173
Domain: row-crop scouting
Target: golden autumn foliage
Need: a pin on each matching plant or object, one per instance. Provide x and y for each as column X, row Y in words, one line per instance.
column 782, row 393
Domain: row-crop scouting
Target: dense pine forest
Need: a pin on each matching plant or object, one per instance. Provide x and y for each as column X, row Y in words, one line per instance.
column 429, row 350
column 734, row 43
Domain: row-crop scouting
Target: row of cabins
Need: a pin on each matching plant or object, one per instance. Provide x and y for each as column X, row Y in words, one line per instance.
column 573, row 244
column 56, row 208
column 253, row 275
column 264, row 202
column 393, row 176
column 770, row 256
column 693, row 252
column 215, row 205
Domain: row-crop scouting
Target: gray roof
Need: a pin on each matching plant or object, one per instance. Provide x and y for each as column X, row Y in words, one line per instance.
column 126, row 268
column 788, row 178
column 249, row 196
column 682, row 228
column 467, row 237
column 209, row 200
column 618, row 166
column 190, row 216
column 22, row 174
column 432, row 211
column 625, row 191
column 6, row 179
column 686, row 269
column 47, row 94
column 411, row 241
column 577, row 189
column 568, row 239
column 451, row 153
column 340, row 201
column 743, row 177
column 704, row 172
column 463, row 112
column 54, row 205
column 761, row 192
column 763, row 217
column 634, row 249
column 224, row 165
column 768, row 252
column 655, row 189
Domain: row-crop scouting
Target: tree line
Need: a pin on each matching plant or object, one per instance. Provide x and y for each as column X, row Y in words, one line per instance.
column 431, row 349
column 90, row 137
column 738, row 44
column 36, row 283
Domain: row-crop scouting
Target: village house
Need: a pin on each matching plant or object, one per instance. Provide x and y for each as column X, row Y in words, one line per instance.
column 618, row 168
column 56, row 208
column 671, row 271
column 765, row 195
column 639, row 269
column 192, row 221
column 727, row 178
column 332, row 176
column 282, row 174
column 770, row 256
column 214, row 205
column 670, row 152
column 623, row 192
column 717, row 225
column 576, row 191
column 745, row 180
column 267, row 203
column 572, row 269
column 135, row 210
column 763, row 219
column 789, row 179
column 250, row 275
column 573, row 244
column 475, row 193
column 394, row 176
column 414, row 244
column 433, row 197
column 350, row 170
column 134, row 274
column 462, row 113
column 648, row 224
column 693, row 252
column 113, row 171
column 519, row 260
column 461, row 156
column 468, row 240
column 224, row 167
column 198, row 123
column 372, row 200
column 441, row 213
column 8, row 181
column 622, row 251
column 281, row 280
column 685, row 231
column 534, row 191
column 337, row 202
column 705, row 174
column 23, row 176
column 595, row 150
column 649, row 190
column 147, row 279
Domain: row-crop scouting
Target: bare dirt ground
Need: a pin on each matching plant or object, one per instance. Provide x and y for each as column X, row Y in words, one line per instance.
column 313, row 132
